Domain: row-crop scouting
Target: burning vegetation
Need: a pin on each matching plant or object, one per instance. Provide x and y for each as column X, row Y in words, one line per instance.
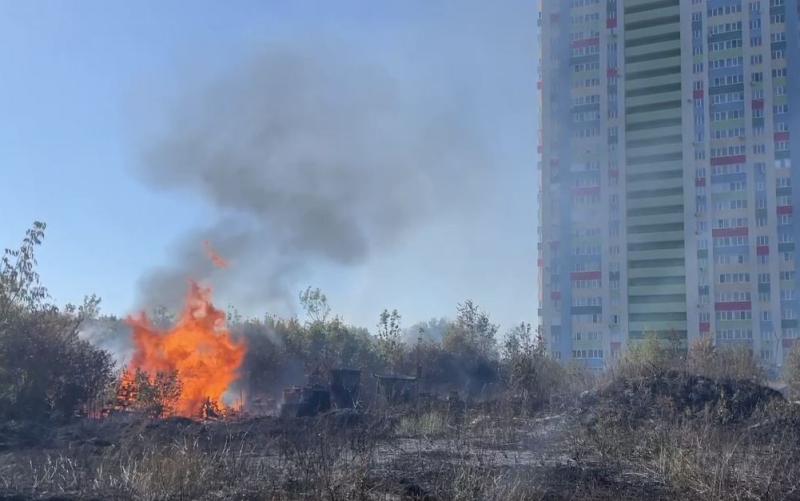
column 196, row 361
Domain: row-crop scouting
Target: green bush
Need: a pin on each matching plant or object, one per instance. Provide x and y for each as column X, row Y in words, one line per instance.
column 48, row 371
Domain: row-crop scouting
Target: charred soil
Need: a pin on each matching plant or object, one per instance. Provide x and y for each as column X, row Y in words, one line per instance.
column 668, row 435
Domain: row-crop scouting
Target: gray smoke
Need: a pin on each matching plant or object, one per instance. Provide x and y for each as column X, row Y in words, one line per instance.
column 309, row 158
column 110, row 334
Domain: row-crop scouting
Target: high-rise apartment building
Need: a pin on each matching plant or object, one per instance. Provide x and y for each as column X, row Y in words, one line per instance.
column 669, row 130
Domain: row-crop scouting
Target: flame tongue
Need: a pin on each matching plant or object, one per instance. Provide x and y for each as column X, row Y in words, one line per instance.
column 199, row 348
column 215, row 258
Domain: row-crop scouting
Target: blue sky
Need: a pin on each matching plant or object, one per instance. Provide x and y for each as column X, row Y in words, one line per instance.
column 84, row 83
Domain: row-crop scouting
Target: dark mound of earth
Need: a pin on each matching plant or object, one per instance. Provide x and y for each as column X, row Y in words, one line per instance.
column 674, row 393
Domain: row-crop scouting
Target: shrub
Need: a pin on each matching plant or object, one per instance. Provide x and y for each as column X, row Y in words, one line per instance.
column 727, row 362
column 530, row 374
column 48, row 371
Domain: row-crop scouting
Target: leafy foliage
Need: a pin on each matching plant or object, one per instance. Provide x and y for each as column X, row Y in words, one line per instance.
column 19, row 280
column 651, row 355
column 315, row 304
column 390, row 343
column 472, row 332
column 48, row 371
column 531, row 375
column 157, row 394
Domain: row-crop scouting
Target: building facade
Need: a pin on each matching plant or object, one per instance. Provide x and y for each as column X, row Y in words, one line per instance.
column 666, row 201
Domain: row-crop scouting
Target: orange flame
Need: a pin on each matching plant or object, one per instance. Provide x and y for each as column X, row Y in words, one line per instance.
column 199, row 348
column 219, row 261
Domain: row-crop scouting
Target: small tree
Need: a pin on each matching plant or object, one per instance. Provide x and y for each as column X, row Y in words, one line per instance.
column 530, row 374
column 390, row 345
column 19, row 280
column 472, row 332
column 315, row 304
column 158, row 395
column 647, row 357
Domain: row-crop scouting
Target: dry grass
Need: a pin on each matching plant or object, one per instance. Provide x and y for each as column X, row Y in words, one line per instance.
column 485, row 452
column 697, row 458
column 429, row 424
column 319, row 461
column 180, row 471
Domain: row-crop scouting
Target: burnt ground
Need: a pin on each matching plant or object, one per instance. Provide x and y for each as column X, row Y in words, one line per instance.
column 337, row 456
column 665, row 436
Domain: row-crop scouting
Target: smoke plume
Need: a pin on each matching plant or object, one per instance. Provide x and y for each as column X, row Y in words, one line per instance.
column 308, row 157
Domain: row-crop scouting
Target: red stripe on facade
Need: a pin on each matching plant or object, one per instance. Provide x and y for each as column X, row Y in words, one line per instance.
column 698, row 94
column 781, row 136
column 612, row 72
column 762, row 250
column 736, row 159
column 585, row 42
column 784, row 209
column 758, row 104
column 705, row 327
column 729, row 232
column 611, row 23
column 585, row 275
column 732, row 306
column 555, row 295
column 700, row 181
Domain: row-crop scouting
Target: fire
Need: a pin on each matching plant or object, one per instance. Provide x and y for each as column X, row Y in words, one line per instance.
column 199, row 349
column 216, row 259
